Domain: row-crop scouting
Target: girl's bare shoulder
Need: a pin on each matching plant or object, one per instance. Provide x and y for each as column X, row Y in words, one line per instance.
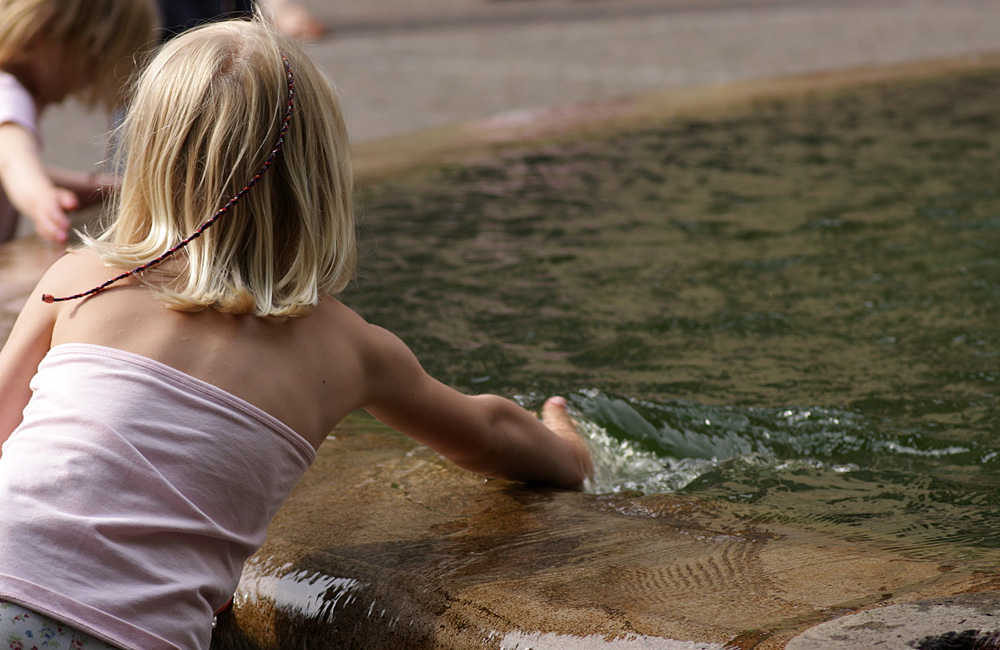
column 368, row 341
column 336, row 318
column 76, row 271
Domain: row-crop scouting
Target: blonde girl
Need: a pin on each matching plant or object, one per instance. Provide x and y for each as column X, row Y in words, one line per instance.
column 49, row 50
column 184, row 366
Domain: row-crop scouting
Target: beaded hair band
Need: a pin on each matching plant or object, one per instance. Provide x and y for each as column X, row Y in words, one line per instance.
column 207, row 224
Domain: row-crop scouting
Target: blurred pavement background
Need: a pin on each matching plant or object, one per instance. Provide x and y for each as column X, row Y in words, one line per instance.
column 408, row 65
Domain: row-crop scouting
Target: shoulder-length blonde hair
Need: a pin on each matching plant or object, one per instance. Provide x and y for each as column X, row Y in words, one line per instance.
column 101, row 40
column 205, row 115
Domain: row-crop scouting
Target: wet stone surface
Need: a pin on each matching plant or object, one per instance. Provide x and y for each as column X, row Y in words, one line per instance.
column 385, row 545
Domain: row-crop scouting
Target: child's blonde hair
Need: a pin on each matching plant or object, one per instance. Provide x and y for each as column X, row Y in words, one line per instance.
column 205, row 115
column 102, row 40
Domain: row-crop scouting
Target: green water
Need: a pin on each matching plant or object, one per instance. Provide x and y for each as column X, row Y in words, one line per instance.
column 792, row 309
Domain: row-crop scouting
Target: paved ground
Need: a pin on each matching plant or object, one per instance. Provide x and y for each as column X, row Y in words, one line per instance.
column 450, row 60
column 406, row 66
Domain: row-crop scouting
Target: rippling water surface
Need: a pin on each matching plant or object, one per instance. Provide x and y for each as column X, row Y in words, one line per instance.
column 793, row 309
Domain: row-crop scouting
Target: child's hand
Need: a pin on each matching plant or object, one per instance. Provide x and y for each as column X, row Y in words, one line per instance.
column 89, row 188
column 47, row 210
column 43, row 198
column 557, row 418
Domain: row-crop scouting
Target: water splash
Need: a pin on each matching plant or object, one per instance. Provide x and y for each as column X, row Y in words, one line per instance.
column 622, row 465
column 665, row 447
column 912, row 489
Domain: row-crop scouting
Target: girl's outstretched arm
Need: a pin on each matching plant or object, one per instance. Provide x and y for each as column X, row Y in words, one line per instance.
column 485, row 433
column 27, row 345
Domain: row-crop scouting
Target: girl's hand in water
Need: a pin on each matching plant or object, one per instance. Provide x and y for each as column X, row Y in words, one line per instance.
column 556, row 417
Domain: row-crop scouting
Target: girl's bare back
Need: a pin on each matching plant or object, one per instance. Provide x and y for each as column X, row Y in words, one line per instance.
column 303, row 371
column 307, row 372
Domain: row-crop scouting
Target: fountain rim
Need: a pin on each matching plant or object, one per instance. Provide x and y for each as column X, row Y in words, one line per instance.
column 462, row 141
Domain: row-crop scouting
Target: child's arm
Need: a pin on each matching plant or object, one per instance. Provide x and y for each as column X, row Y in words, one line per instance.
column 25, row 348
column 28, row 186
column 485, row 433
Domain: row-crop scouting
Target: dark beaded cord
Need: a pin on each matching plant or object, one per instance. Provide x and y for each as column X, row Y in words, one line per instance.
column 207, row 224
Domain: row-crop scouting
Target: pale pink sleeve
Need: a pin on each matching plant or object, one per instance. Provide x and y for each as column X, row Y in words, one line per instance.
column 16, row 104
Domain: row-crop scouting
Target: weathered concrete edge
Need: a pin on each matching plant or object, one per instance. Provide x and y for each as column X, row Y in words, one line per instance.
column 376, row 159
column 961, row 621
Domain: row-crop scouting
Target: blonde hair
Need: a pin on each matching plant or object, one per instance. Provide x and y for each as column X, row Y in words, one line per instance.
column 204, row 117
column 102, row 39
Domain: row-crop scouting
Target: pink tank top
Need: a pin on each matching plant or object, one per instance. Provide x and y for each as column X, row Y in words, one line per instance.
column 131, row 495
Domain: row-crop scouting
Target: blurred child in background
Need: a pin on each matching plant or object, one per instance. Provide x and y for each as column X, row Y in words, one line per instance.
column 50, row 50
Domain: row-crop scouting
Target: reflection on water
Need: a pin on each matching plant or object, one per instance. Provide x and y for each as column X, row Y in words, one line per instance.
column 792, row 311
column 308, row 594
